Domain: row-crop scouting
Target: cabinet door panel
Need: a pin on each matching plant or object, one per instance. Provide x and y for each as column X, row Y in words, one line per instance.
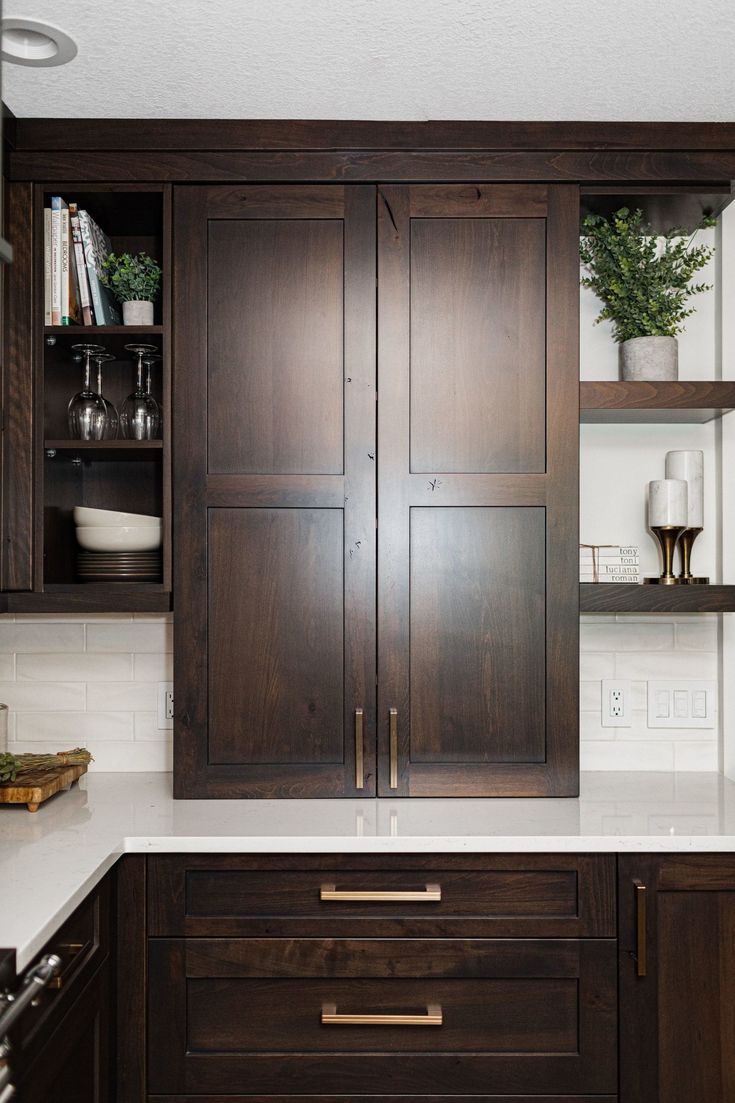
column 477, row 576
column 276, row 635
column 274, row 491
column 477, row 486
column 275, row 343
column 478, row 370
column 677, row 1017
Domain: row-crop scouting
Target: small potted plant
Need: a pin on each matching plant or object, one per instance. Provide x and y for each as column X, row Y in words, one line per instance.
column 134, row 280
column 644, row 282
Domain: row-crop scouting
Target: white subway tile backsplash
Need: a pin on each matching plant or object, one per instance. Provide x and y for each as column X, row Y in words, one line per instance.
column 153, row 668
column 71, row 729
column 697, row 635
column 593, row 666
column 618, row 755
column 43, row 696
column 121, row 697
column 644, row 665
column 73, row 667
column 40, row 637
column 611, row 635
column 7, row 667
column 699, row 756
column 127, row 756
column 146, row 727
column 138, row 636
column 590, row 696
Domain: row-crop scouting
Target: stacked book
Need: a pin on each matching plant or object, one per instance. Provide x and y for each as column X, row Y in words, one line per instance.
column 74, row 250
column 609, row 563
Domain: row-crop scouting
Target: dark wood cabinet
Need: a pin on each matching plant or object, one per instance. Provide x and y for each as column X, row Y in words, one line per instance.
column 677, row 978
column 275, row 491
column 378, row 975
column 477, row 522
column 278, row 461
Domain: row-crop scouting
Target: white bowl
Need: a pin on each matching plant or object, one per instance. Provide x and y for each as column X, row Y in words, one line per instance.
column 83, row 515
column 119, row 537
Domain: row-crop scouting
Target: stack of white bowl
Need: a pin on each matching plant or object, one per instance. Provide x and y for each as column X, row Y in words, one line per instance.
column 117, row 547
column 107, row 530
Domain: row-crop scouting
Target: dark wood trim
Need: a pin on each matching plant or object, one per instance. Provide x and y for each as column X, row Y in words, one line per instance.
column 89, row 598
column 131, row 967
column 706, row 169
column 611, row 597
column 18, row 396
column 681, row 401
column 384, row 1098
column 301, row 134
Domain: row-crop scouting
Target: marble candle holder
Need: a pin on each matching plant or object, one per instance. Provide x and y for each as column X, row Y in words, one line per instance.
column 689, row 465
column 667, row 519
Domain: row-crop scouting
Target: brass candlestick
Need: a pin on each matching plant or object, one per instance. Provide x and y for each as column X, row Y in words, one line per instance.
column 667, row 536
column 686, row 542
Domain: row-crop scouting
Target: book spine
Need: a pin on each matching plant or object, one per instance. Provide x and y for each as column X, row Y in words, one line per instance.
column 94, row 284
column 66, row 285
column 56, row 202
column 85, row 300
column 47, row 291
column 606, row 579
column 96, row 248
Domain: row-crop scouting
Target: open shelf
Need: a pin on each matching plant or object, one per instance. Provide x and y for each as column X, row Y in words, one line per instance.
column 663, row 207
column 611, row 597
column 91, row 597
column 104, row 447
column 100, row 331
column 680, row 401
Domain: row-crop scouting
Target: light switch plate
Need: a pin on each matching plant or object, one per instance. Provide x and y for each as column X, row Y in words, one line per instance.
column 682, row 704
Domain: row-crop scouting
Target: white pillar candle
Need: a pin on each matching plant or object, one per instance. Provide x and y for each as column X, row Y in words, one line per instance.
column 690, row 467
column 667, row 503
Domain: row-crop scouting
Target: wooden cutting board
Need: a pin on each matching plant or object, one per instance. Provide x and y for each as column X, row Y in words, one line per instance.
column 33, row 787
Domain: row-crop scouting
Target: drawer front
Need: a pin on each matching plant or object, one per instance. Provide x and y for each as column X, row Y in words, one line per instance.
column 82, row 943
column 331, row 1015
column 527, row 896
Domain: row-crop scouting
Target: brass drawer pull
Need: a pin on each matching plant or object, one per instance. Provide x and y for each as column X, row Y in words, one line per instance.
column 641, row 922
column 393, row 733
column 433, row 1017
column 359, row 762
column 431, row 894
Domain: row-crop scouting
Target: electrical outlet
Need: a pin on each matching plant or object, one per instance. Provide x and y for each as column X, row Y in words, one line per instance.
column 165, row 705
column 616, row 693
column 682, row 704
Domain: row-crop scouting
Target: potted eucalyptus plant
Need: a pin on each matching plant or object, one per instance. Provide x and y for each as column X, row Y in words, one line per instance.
column 644, row 282
column 134, row 280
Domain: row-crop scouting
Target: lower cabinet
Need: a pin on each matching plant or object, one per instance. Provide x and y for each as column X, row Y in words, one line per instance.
column 677, row 978
column 466, row 976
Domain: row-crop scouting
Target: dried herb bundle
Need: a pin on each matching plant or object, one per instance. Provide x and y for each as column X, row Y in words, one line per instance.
column 11, row 765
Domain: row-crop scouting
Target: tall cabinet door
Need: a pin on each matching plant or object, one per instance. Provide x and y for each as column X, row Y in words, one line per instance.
column 477, row 490
column 274, row 491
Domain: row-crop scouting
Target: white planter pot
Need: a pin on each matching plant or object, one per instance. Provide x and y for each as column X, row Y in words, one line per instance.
column 137, row 313
column 649, row 358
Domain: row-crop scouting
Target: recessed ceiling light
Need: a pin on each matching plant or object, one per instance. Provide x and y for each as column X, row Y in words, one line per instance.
column 28, row 42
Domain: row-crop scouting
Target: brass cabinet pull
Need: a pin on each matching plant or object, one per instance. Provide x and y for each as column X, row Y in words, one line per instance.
column 641, row 920
column 393, row 729
column 431, row 894
column 359, row 761
column 433, row 1017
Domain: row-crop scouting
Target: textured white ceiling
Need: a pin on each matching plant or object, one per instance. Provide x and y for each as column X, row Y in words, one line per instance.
column 384, row 59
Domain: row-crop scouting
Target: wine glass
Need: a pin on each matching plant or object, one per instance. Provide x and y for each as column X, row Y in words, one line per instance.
column 140, row 414
column 149, row 360
column 111, row 418
column 86, row 412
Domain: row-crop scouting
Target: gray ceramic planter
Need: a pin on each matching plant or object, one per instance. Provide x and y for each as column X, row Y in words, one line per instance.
column 649, row 358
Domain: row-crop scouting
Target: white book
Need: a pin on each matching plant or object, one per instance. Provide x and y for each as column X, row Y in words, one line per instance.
column 603, row 580
column 57, row 204
column 608, row 551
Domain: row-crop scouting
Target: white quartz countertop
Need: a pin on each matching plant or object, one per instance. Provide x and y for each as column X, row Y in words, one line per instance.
column 51, row 859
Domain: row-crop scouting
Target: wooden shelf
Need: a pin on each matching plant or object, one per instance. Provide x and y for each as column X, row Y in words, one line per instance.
column 610, row 597
column 663, row 207
column 91, row 597
column 102, row 446
column 100, row 331
column 604, row 402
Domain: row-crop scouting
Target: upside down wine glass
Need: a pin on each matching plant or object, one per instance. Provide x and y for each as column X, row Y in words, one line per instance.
column 140, row 415
column 86, row 412
column 111, row 418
